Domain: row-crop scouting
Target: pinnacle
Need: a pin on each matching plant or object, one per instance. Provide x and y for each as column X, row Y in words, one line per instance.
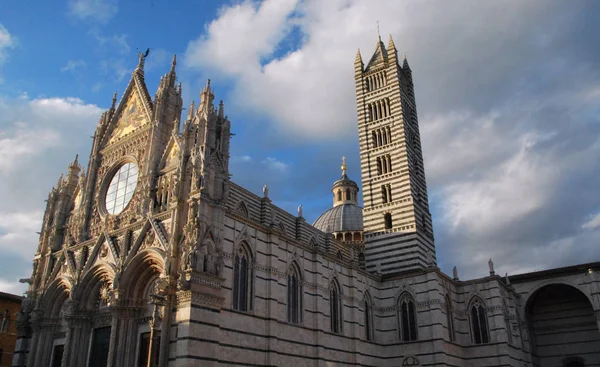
column 114, row 100
column 391, row 44
column 173, row 63
column 358, row 56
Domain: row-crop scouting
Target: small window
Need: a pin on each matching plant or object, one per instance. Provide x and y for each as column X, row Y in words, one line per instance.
column 294, row 290
column 384, row 194
column 348, row 194
column 388, row 220
column 369, row 330
column 479, row 327
column 335, row 308
column 242, row 280
column 407, row 319
column 339, row 195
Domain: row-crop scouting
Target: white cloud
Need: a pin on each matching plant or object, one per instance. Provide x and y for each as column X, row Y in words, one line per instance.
column 73, row 66
column 507, row 129
column 592, row 223
column 12, row 287
column 97, row 10
column 275, row 164
column 38, row 140
column 6, row 41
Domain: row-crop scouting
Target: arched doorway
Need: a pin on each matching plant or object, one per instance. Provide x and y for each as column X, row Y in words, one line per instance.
column 562, row 327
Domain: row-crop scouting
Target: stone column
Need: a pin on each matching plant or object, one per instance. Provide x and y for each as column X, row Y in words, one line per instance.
column 155, row 322
column 114, row 327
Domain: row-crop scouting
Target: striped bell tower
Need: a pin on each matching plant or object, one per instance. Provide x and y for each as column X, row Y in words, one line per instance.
column 397, row 224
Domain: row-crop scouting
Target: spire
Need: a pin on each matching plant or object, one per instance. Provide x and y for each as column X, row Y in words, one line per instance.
column 173, row 63
column 405, row 63
column 358, row 59
column 343, row 166
column 75, row 163
column 391, row 45
column 206, row 98
column 379, row 56
column 221, row 109
column 378, row 35
column 114, row 101
column 191, row 111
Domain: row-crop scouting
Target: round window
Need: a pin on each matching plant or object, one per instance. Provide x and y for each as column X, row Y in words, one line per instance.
column 121, row 188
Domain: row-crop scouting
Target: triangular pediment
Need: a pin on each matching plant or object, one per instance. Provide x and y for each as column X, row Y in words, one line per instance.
column 133, row 113
column 172, row 154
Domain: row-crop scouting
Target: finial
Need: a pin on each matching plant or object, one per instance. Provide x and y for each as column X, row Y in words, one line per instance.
column 455, row 273
column 491, row 266
column 114, row 100
column 343, row 165
column 404, row 56
column 378, row 35
column 265, row 191
column 191, row 111
column 173, row 63
column 300, row 211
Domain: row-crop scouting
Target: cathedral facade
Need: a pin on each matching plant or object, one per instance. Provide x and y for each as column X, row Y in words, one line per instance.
column 152, row 256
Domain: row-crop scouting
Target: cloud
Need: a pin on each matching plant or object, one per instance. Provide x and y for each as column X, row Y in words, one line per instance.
column 73, row 66
column 95, row 10
column 38, row 139
column 507, row 98
column 6, row 41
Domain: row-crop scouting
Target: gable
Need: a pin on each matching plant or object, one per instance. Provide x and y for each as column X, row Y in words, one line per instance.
column 171, row 156
column 133, row 117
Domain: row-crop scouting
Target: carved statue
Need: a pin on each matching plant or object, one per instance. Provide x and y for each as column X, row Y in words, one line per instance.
column 507, row 279
column 455, row 273
column 265, row 191
column 491, row 266
column 300, row 211
column 192, row 259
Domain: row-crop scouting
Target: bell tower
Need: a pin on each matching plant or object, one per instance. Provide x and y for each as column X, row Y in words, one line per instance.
column 397, row 224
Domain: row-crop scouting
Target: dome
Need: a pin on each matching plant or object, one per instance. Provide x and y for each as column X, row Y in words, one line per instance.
column 341, row 218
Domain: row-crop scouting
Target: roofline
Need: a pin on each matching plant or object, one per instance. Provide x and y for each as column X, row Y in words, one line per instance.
column 549, row 273
column 14, row 297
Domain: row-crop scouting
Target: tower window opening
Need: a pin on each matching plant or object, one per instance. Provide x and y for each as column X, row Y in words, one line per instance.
column 374, row 139
column 479, row 329
column 389, row 192
column 384, row 196
column 348, row 194
column 339, row 195
column 387, row 217
column 379, row 166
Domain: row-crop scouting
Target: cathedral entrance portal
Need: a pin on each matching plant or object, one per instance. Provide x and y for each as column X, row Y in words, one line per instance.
column 562, row 327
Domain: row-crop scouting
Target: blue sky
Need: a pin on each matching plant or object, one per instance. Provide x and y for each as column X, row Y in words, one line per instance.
column 507, row 97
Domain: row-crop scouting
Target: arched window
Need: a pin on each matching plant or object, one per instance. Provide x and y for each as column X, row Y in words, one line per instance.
column 479, row 326
column 347, row 194
column 335, row 307
column 379, row 166
column 374, row 139
column 369, row 329
column 242, row 280
column 407, row 318
column 389, row 192
column 389, row 163
column 384, row 196
column 387, row 217
column 339, row 195
column 294, row 296
column 449, row 319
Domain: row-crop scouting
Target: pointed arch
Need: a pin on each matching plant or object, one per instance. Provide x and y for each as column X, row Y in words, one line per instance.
column 313, row 242
column 281, row 227
column 55, row 296
column 88, row 290
column 242, row 278
column 242, row 209
column 294, row 293
column 407, row 317
column 478, row 321
column 141, row 271
column 368, row 314
column 335, row 306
